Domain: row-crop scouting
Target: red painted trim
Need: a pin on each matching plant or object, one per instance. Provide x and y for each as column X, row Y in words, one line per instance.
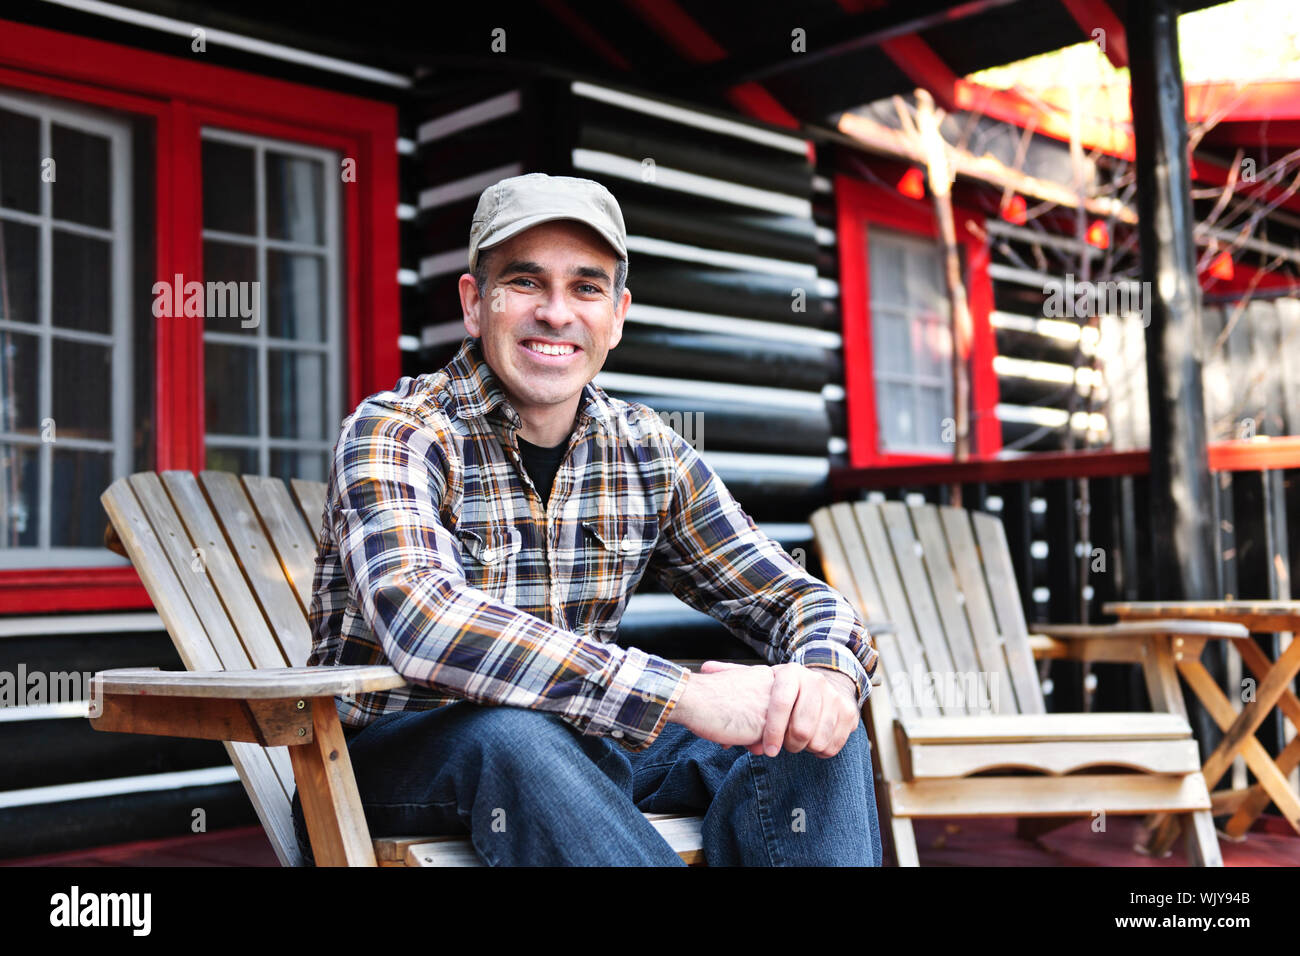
column 178, row 373
column 1244, row 278
column 82, row 59
column 71, row 589
column 181, row 95
column 1092, row 14
column 1041, row 466
column 923, row 67
column 860, row 206
column 755, row 101
column 1206, row 169
column 855, row 293
column 986, row 429
column 1256, row 454
column 676, row 26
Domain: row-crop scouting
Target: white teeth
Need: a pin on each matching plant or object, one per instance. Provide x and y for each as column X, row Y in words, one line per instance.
column 547, row 349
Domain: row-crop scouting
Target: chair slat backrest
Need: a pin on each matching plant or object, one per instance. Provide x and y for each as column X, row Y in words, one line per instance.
column 228, row 565
column 943, row 577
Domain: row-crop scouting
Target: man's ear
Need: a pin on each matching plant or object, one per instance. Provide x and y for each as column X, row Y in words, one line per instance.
column 620, row 313
column 469, row 304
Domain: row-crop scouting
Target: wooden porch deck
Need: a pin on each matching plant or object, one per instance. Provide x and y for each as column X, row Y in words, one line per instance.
column 949, row 843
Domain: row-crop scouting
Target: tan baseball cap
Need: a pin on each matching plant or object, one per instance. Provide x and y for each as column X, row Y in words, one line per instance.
column 512, row 205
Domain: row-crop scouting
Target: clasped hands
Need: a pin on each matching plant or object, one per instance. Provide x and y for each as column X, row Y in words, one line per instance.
column 767, row 709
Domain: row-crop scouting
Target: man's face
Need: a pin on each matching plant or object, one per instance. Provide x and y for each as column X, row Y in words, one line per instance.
column 547, row 317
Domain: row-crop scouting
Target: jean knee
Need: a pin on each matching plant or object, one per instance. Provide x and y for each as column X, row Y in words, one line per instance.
column 536, row 743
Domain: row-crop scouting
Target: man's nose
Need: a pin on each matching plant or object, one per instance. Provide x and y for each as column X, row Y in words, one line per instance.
column 556, row 310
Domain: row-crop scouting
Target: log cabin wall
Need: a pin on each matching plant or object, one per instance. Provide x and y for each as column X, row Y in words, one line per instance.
column 733, row 332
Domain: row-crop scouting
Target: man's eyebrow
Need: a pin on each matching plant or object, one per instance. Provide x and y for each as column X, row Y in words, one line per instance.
column 580, row 272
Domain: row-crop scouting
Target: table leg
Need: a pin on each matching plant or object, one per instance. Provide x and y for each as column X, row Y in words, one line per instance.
column 1220, row 709
column 1257, row 799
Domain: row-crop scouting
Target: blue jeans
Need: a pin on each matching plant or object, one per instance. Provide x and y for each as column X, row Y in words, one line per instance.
column 529, row 789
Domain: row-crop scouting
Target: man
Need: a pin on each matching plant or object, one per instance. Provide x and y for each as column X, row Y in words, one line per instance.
column 484, row 527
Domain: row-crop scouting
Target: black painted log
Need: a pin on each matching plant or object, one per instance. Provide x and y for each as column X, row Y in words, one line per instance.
column 720, row 425
column 678, row 353
column 1183, row 540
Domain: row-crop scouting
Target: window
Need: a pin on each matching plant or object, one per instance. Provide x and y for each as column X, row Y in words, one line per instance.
column 272, row 372
column 911, row 337
column 898, row 348
column 169, row 171
column 66, row 260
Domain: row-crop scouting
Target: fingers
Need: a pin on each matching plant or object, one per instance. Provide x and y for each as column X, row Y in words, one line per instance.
column 785, row 693
column 712, row 667
column 839, row 721
column 811, row 710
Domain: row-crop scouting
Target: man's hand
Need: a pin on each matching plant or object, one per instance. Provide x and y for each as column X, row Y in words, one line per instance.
column 812, row 709
column 726, row 703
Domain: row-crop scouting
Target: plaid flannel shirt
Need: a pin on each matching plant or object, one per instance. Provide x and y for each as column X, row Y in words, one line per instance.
column 437, row 556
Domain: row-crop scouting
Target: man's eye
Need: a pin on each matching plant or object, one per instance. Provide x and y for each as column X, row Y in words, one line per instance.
column 517, row 281
column 590, row 289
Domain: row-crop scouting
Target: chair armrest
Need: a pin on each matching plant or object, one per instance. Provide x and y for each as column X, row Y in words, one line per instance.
column 1119, row 643
column 275, row 683
column 1217, row 629
column 271, row 707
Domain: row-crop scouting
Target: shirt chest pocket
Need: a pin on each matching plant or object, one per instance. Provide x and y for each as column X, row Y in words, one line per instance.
column 617, row 551
column 487, row 558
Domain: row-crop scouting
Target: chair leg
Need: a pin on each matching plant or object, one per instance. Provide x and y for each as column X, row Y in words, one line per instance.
column 331, row 804
column 1202, row 841
column 904, row 837
column 1163, row 831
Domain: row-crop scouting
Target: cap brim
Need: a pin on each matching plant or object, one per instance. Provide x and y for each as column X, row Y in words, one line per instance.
column 523, row 224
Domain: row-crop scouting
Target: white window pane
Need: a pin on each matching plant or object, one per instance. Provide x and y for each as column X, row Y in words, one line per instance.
column 297, row 394
column 83, row 168
column 83, row 290
column 932, row 346
column 897, row 421
column 229, row 189
column 296, row 296
column 22, row 273
column 931, row 410
column 892, row 352
column 20, row 145
column 295, row 203
column 19, row 496
column 886, row 259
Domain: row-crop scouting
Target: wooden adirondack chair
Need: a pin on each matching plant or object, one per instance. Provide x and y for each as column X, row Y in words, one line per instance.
column 944, row 577
column 228, row 563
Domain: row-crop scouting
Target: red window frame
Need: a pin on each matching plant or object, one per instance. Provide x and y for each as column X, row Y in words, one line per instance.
column 859, row 206
column 181, row 95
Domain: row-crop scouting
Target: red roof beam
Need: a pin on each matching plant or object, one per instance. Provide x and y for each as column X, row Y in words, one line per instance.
column 1096, row 15
column 923, row 67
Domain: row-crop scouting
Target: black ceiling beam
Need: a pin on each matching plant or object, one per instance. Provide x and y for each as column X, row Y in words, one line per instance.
column 860, row 31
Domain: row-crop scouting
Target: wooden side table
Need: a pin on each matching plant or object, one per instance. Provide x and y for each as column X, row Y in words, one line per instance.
column 1273, row 690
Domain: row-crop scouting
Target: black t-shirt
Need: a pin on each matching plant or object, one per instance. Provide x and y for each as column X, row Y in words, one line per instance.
column 542, row 464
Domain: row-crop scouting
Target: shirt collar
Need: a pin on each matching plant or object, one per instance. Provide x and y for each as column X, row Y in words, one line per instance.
column 477, row 393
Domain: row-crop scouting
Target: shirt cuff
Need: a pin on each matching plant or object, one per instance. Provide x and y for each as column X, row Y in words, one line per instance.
column 834, row 656
column 638, row 699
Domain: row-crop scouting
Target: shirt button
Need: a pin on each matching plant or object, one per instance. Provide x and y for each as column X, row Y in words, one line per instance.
column 616, row 733
column 489, row 555
column 627, row 544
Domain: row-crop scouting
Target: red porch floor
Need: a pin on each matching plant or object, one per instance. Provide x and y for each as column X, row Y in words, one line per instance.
column 958, row 842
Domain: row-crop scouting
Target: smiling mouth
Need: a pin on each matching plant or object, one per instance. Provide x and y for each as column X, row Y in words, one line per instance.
column 541, row 347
